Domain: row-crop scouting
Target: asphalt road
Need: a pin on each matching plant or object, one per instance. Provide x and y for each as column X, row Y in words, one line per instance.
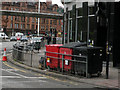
column 17, row 77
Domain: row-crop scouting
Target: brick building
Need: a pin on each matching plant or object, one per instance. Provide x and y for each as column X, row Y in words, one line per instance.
column 28, row 25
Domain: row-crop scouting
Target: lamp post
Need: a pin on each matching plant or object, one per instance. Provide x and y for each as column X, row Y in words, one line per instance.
column 38, row 18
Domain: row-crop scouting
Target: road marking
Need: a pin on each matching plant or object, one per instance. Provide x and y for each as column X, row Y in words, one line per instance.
column 13, row 67
column 14, row 73
column 23, row 75
column 10, row 77
column 10, row 69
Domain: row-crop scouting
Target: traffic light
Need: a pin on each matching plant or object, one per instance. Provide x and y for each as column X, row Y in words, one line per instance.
column 102, row 9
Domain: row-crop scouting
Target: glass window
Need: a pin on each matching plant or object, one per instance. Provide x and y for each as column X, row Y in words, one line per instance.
column 50, row 21
column 80, row 12
column 28, row 26
column 47, row 21
column 36, row 20
column 21, row 26
column 36, row 27
column 11, row 17
column 59, row 22
column 33, row 20
column 28, row 19
column 91, row 10
column 55, row 22
column 43, row 21
column 23, row 19
column 16, row 18
column 79, row 29
column 32, row 26
column 15, row 25
column 11, row 25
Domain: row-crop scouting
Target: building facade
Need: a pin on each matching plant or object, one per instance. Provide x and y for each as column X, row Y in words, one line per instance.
column 28, row 25
column 93, row 21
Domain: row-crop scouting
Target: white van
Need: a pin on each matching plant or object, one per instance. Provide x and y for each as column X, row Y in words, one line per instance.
column 3, row 35
column 19, row 34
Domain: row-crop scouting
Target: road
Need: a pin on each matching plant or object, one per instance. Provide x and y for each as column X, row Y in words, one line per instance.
column 17, row 77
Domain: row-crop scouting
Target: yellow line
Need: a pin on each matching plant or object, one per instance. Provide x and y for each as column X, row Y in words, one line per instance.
column 14, row 67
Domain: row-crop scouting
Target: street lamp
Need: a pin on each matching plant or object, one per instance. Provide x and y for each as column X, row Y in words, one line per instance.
column 38, row 18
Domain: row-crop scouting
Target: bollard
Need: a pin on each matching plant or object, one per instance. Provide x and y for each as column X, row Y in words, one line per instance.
column 4, row 55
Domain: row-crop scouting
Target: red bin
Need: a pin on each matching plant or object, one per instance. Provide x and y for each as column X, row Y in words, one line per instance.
column 67, row 64
column 52, row 63
column 68, row 49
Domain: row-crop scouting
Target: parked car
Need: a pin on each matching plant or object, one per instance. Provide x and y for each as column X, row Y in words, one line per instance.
column 3, row 35
column 13, row 38
column 19, row 34
column 18, row 37
column 24, row 39
column 36, row 41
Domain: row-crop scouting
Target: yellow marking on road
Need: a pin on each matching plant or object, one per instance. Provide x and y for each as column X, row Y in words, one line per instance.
column 13, row 67
column 49, row 77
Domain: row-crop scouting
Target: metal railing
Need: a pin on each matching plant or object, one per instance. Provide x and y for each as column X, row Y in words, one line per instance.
column 63, row 58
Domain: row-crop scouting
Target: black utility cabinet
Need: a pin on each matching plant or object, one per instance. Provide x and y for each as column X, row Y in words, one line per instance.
column 94, row 59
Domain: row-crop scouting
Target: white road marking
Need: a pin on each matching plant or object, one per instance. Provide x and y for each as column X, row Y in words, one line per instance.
column 10, row 69
column 10, row 77
column 22, row 76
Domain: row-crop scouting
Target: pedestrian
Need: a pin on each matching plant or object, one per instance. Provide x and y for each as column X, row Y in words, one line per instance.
column 48, row 39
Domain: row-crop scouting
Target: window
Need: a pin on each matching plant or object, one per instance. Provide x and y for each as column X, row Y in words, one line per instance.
column 43, row 21
column 11, row 25
column 42, row 28
column 32, row 26
column 46, row 28
column 23, row 4
column 11, row 8
column 36, row 20
column 7, row 8
column 80, row 12
column 16, row 25
column 33, row 20
column 16, row 18
column 16, row 9
column 21, row 26
column 36, row 27
column 59, row 22
column 28, row 26
column 50, row 21
column 91, row 10
column 11, row 17
column 28, row 19
column 47, row 21
column 55, row 22
column 23, row 19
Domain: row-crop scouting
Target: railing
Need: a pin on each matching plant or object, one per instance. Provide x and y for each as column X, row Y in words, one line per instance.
column 73, row 61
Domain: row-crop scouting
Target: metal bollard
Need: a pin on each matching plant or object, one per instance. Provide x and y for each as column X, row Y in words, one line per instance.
column 62, row 63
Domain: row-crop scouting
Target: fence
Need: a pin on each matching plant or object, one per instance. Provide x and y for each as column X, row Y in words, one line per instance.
column 27, row 57
column 75, row 63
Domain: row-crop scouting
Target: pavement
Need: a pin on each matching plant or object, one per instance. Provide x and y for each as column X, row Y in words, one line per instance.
column 101, row 81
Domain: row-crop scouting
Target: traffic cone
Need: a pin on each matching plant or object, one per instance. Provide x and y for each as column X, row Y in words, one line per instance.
column 4, row 55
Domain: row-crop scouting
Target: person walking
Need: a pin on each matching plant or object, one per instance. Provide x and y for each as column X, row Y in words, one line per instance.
column 48, row 39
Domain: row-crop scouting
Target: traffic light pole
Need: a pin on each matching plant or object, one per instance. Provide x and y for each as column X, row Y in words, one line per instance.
column 108, row 38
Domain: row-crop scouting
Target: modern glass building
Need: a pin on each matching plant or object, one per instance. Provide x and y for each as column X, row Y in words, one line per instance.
column 93, row 21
